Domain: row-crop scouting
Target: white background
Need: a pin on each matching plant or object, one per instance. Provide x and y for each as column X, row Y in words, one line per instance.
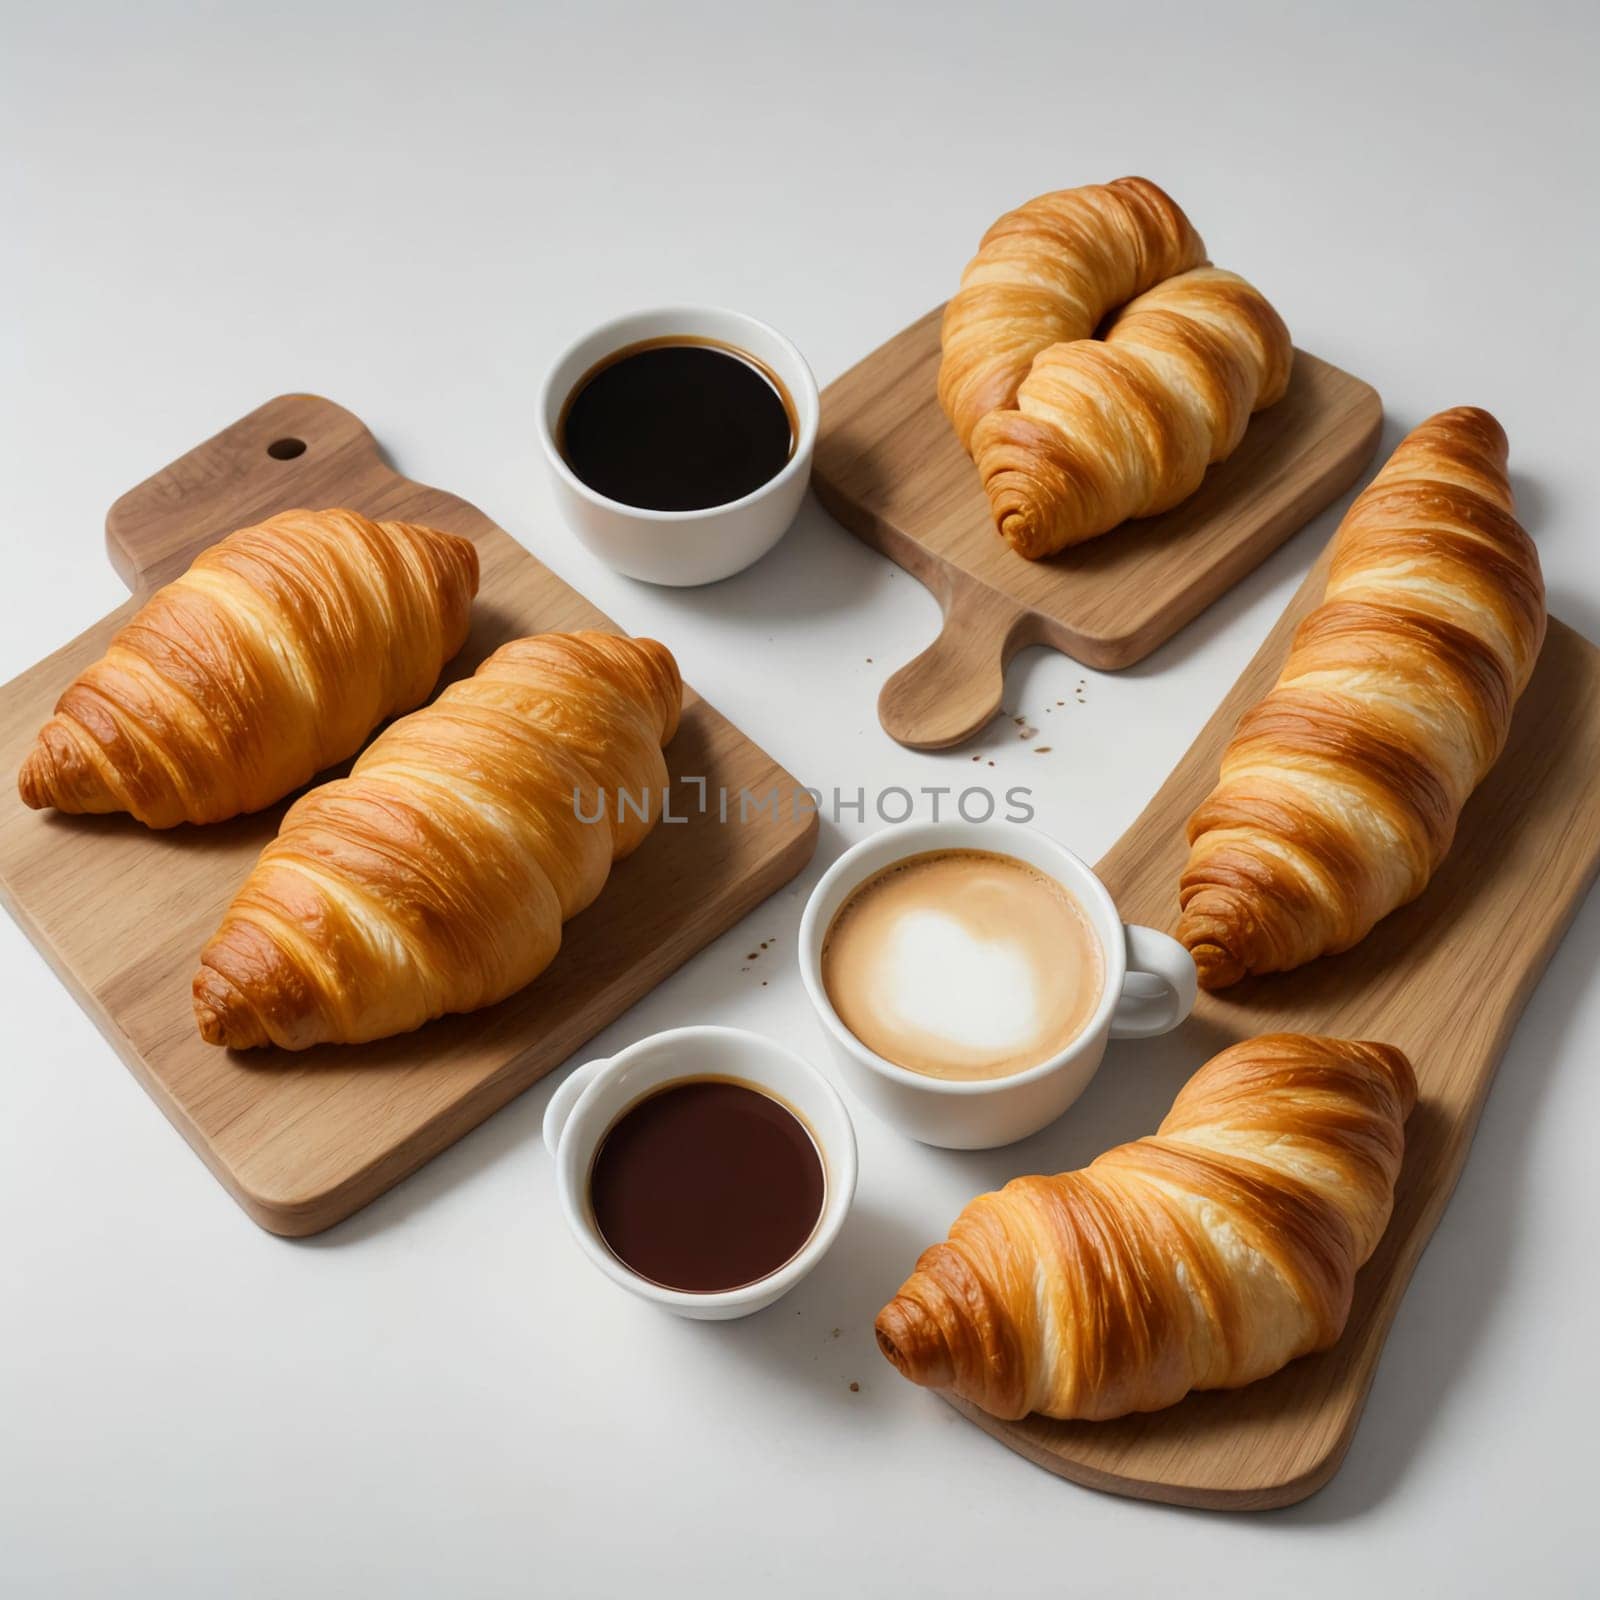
column 410, row 209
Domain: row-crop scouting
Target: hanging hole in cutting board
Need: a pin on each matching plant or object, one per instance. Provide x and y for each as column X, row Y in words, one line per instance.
column 286, row 449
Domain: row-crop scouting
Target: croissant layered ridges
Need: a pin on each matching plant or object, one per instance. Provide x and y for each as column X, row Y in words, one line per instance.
column 272, row 657
column 437, row 876
column 1051, row 271
column 1340, row 792
column 1107, row 429
column 1206, row 1256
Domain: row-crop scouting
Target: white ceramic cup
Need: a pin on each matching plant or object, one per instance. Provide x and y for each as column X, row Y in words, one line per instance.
column 584, row 1109
column 1150, row 988
column 682, row 547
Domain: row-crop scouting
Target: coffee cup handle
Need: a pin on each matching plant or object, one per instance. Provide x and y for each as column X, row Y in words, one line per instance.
column 1159, row 990
column 564, row 1099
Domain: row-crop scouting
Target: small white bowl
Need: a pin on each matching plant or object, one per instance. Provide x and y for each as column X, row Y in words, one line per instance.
column 1150, row 988
column 585, row 1108
column 682, row 547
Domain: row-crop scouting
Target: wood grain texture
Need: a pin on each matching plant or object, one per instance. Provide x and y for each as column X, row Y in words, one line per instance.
column 121, row 913
column 1444, row 978
column 889, row 467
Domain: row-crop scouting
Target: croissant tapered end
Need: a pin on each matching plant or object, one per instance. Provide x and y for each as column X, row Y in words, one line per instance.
column 223, row 1015
column 1396, row 1065
column 1030, row 486
column 1215, row 966
column 459, row 574
column 36, row 778
column 56, row 773
column 666, row 684
column 911, row 1340
column 1213, row 931
column 1467, row 428
column 1399, row 1066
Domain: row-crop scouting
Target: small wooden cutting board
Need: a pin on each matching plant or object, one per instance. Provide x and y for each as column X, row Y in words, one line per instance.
column 1445, row 978
column 889, row 467
column 301, row 1140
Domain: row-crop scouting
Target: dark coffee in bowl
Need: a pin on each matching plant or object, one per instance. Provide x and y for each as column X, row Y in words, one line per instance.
column 678, row 424
column 707, row 1184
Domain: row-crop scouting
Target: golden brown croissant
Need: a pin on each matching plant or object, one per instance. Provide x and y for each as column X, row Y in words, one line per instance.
column 1203, row 1258
column 1050, row 271
column 274, row 656
column 1104, row 430
column 1339, row 792
column 436, row 877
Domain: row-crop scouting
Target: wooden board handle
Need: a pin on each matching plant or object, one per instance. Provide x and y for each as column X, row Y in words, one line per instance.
column 954, row 687
column 289, row 452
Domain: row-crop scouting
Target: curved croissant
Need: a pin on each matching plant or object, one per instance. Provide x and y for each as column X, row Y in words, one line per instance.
column 1339, row 792
column 274, row 656
column 1050, row 271
column 436, row 877
column 1203, row 1258
column 1125, row 426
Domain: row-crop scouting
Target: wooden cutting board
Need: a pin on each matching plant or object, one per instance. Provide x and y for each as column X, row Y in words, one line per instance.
column 889, row 468
column 302, row 1140
column 1444, row 978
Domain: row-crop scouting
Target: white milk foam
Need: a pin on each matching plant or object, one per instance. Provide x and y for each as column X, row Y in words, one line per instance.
column 932, row 974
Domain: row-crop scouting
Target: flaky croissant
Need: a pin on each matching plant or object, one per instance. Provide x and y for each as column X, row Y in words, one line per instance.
column 1203, row 1258
column 274, row 656
column 1051, row 271
column 1340, row 791
column 436, row 877
column 1125, row 426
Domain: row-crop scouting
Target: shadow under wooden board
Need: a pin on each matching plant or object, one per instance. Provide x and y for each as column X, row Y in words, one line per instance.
column 1445, row 978
column 301, row 1140
column 888, row 466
